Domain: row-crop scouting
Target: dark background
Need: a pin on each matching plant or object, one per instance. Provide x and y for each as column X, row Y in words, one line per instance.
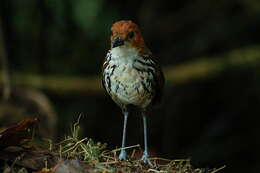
column 209, row 50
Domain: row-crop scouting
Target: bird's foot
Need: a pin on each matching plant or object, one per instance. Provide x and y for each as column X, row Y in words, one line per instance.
column 146, row 160
column 122, row 155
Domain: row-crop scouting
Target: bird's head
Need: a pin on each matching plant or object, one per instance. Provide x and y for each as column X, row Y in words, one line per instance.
column 126, row 33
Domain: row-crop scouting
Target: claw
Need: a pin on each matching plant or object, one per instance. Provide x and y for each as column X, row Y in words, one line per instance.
column 122, row 155
column 146, row 160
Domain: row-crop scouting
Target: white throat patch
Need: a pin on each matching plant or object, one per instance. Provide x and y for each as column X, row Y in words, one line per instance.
column 124, row 52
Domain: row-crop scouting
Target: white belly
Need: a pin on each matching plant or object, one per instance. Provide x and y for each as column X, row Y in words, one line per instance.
column 129, row 86
column 126, row 84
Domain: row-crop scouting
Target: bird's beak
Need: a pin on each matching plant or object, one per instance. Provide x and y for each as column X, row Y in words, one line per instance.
column 118, row 41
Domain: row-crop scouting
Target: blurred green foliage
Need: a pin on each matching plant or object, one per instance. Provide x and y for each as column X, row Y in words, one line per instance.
column 209, row 50
column 45, row 34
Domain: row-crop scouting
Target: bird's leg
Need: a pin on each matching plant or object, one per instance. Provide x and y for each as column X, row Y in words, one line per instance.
column 122, row 155
column 145, row 154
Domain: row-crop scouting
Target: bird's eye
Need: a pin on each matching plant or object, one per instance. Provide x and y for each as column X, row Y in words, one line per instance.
column 130, row 35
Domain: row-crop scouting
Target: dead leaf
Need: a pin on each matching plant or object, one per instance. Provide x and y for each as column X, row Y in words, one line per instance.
column 18, row 135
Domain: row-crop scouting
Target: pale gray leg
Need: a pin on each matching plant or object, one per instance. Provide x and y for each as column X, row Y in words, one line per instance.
column 122, row 155
column 145, row 154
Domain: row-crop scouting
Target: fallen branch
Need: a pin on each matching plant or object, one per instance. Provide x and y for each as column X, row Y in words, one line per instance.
column 4, row 66
column 199, row 69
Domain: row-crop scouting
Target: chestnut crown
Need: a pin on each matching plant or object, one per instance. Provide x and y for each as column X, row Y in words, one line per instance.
column 126, row 31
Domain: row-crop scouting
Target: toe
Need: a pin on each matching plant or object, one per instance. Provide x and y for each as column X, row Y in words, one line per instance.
column 122, row 155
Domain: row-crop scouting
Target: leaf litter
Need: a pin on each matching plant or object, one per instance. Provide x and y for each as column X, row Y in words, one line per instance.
column 77, row 155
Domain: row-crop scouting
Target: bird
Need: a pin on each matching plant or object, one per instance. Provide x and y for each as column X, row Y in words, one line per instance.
column 132, row 77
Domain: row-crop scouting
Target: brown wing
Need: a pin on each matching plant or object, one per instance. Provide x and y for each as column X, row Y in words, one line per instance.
column 159, row 79
column 158, row 83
